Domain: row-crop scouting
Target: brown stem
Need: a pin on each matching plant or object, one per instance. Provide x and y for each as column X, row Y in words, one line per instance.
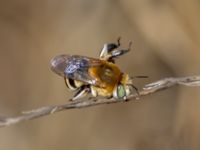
column 147, row 89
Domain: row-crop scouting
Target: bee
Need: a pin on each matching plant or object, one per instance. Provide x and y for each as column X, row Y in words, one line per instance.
column 98, row 77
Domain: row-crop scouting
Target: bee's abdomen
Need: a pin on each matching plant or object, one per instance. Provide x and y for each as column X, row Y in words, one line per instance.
column 73, row 84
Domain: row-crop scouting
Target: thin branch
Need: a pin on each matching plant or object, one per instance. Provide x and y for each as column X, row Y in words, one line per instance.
column 147, row 89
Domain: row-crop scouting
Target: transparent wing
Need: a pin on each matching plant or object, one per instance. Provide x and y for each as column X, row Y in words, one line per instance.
column 75, row 67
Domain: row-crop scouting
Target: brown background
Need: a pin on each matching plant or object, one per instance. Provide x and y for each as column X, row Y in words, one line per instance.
column 166, row 41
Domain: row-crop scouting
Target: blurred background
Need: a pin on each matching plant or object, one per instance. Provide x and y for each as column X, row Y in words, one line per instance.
column 166, row 41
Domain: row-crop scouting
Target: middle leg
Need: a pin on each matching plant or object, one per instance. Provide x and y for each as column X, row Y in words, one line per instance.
column 81, row 92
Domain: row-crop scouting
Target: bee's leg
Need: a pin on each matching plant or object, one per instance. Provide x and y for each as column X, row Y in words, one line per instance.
column 117, row 53
column 93, row 91
column 105, row 53
column 82, row 92
column 135, row 88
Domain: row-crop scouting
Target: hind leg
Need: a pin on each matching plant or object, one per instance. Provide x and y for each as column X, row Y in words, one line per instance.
column 110, row 51
column 105, row 53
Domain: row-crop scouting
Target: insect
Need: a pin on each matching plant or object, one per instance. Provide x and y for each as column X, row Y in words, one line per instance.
column 98, row 77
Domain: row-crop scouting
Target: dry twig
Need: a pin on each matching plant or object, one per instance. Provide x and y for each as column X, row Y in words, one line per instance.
column 148, row 89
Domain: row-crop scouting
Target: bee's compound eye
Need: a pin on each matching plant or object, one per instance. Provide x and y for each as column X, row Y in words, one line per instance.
column 120, row 92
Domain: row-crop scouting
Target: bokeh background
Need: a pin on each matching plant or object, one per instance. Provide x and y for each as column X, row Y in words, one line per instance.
column 166, row 41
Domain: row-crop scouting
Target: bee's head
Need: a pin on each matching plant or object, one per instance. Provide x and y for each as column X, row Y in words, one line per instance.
column 123, row 88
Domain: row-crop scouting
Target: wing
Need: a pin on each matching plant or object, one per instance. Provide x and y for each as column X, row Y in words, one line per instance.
column 75, row 67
